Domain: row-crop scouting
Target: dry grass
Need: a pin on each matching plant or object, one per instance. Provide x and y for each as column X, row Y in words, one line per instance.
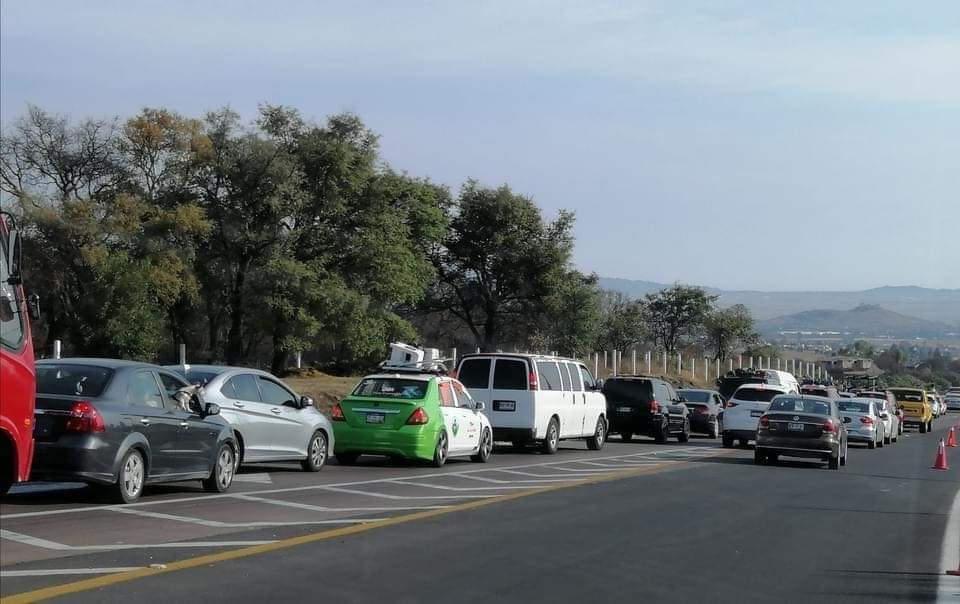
column 325, row 389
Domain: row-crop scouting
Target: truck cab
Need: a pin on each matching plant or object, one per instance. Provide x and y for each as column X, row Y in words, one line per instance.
column 17, row 373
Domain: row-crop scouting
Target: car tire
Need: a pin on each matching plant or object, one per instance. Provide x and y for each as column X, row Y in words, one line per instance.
column 843, row 457
column 486, row 447
column 759, row 457
column 773, row 458
column 130, row 478
column 660, row 436
column 221, row 476
column 347, row 459
column 872, row 444
column 833, row 463
column 714, row 431
column 441, row 450
column 5, row 484
column 595, row 442
column 930, row 426
column 743, row 442
column 626, row 436
column 727, row 442
column 551, row 440
column 923, row 428
column 881, row 442
column 887, row 440
column 684, row 435
column 316, row 453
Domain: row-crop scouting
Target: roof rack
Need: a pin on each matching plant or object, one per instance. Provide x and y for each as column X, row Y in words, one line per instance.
column 405, row 358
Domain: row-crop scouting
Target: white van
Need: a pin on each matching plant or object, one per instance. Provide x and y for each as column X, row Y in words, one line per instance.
column 781, row 378
column 534, row 398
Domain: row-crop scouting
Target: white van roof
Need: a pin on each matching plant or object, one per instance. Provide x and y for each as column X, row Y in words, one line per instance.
column 763, row 386
column 522, row 355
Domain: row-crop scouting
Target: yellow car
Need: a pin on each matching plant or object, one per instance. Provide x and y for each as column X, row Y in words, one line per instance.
column 917, row 410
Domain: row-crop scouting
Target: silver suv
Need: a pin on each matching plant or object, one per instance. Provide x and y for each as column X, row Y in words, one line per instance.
column 270, row 421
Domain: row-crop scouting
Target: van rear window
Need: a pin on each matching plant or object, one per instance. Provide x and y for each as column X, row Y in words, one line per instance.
column 755, row 394
column 475, row 373
column 72, row 380
column 510, row 374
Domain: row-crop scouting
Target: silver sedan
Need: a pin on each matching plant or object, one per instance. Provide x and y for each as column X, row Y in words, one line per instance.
column 270, row 421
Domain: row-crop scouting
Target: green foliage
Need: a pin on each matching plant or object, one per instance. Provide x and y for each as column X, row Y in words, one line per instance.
column 860, row 348
column 676, row 313
column 727, row 328
column 622, row 323
column 570, row 319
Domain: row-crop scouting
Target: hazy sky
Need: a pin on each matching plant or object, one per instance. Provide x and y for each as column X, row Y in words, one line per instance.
column 741, row 144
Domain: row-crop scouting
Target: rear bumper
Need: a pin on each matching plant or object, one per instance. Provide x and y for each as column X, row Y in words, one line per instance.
column 88, row 461
column 741, row 434
column 415, row 442
column 856, row 437
column 515, row 435
column 799, row 447
column 647, row 425
column 700, row 423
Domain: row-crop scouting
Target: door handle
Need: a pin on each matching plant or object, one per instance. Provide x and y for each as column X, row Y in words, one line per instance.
column 145, row 421
column 276, row 411
column 238, row 404
column 184, row 424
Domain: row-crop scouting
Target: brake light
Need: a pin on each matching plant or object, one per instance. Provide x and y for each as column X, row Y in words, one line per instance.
column 418, row 417
column 336, row 414
column 654, row 406
column 764, row 421
column 866, row 420
column 532, row 381
column 828, row 426
column 703, row 410
column 84, row 417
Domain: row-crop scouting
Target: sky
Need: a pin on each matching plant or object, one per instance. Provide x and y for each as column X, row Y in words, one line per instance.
column 775, row 145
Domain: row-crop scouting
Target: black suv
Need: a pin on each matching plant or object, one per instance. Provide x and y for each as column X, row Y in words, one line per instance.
column 645, row 405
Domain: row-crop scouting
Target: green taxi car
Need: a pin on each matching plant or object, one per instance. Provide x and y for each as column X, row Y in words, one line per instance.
column 419, row 416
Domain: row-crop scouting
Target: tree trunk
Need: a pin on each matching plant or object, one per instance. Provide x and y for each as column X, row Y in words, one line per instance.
column 234, row 351
column 280, row 354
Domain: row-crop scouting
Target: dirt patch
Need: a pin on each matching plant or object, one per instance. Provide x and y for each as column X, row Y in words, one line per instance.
column 325, row 389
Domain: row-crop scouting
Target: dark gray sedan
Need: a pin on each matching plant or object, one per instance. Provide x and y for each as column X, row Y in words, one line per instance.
column 116, row 424
column 802, row 426
column 705, row 407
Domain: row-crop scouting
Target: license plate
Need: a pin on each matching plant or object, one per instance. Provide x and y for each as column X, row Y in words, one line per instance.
column 375, row 418
column 504, row 405
column 756, row 413
column 795, row 427
column 624, row 409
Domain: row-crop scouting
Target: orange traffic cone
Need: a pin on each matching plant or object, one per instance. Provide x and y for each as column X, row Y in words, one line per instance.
column 952, row 439
column 940, row 463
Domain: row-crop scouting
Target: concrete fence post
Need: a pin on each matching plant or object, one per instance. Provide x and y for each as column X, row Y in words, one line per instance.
column 634, row 355
column 183, row 353
column 664, row 362
column 299, row 360
column 614, row 362
column 596, row 364
column 679, row 364
column 739, row 361
column 57, row 347
column 453, row 355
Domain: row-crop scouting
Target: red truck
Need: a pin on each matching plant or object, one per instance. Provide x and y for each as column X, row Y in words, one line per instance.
column 17, row 373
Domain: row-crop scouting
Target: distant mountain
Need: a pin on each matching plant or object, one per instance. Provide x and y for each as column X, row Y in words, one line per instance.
column 937, row 305
column 864, row 320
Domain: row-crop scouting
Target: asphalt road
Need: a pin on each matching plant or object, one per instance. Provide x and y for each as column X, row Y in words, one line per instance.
column 636, row 521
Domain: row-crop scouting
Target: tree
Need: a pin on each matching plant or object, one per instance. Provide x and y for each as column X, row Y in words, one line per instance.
column 727, row 328
column 498, row 263
column 622, row 322
column 676, row 313
column 860, row 348
column 571, row 315
column 892, row 359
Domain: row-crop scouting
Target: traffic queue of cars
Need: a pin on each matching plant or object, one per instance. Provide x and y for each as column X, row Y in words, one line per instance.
column 122, row 425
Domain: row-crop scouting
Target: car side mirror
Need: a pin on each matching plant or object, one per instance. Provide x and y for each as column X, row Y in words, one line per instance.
column 847, row 420
column 33, row 307
column 598, row 385
column 681, row 399
column 211, row 409
column 306, row 402
column 480, row 406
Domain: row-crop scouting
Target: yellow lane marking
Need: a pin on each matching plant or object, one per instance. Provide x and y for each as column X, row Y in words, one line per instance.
column 65, row 589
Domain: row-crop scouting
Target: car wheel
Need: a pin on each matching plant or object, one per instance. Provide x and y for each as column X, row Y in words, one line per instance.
column 714, row 430
column 661, row 434
column 486, row 447
column 626, row 436
column 684, row 435
column 759, row 457
column 887, row 440
column 923, row 428
column 5, row 484
column 727, row 442
column 595, row 442
column 744, row 442
column 772, row 458
column 316, row 453
column 222, row 475
column 881, row 442
column 551, row 441
column 872, row 444
column 347, row 459
column 833, row 463
column 129, row 485
column 440, row 453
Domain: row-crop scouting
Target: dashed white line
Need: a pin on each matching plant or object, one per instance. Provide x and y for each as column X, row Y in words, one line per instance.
column 54, row 572
column 53, row 545
column 258, row 524
column 321, row 508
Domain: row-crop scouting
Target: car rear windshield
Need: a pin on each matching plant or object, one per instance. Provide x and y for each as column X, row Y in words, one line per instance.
column 854, row 407
column 72, row 380
column 628, row 391
column 799, row 405
column 761, row 395
column 392, row 388
column 695, row 396
column 908, row 397
column 817, row 392
column 879, row 395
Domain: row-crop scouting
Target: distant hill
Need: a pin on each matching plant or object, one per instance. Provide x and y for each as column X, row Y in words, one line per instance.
column 937, row 305
column 864, row 320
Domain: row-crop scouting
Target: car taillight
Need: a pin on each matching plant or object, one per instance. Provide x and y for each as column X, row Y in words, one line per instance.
column 84, row 417
column 729, row 404
column 418, row 417
column 654, row 406
column 703, row 410
column 336, row 414
column 866, row 420
column 532, row 381
column 828, row 426
column 764, row 421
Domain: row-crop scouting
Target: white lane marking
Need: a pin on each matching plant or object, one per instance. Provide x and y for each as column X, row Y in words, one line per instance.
column 948, row 588
column 261, row 478
column 321, row 508
column 197, row 497
column 561, row 477
column 576, row 470
column 530, row 481
column 457, row 489
column 45, row 544
column 258, row 524
column 53, row 572
column 402, row 497
column 628, row 464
